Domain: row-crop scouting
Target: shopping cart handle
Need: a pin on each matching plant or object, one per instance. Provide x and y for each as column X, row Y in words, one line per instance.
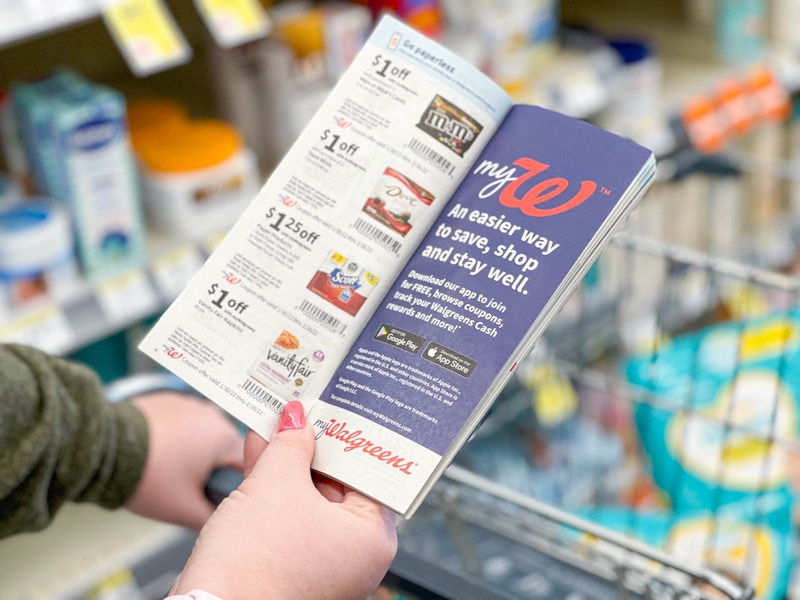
column 222, row 482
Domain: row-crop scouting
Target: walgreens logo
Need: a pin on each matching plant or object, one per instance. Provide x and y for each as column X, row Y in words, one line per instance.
column 537, row 189
column 354, row 440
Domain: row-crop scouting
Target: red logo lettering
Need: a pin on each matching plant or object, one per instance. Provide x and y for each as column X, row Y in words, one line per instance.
column 542, row 191
column 173, row 352
column 355, row 440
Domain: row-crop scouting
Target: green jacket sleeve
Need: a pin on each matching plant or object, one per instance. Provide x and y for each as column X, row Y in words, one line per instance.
column 61, row 440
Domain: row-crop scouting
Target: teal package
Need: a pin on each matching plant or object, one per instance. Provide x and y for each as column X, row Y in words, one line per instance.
column 747, row 552
column 33, row 110
column 101, row 184
column 741, row 30
column 715, row 410
column 716, row 414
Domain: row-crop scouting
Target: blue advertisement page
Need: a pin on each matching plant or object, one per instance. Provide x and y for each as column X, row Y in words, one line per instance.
column 453, row 320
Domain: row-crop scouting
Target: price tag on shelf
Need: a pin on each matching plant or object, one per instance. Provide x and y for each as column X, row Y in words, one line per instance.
column 117, row 586
column 554, row 398
column 212, row 240
column 44, row 327
column 127, row 297
column 234, row 22
column 173, row 269
column 146, row 34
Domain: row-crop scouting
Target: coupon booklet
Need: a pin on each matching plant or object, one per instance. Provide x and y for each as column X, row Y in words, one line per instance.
column 404, row 256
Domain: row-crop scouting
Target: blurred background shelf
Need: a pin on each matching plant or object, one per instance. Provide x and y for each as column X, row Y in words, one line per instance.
column 715, row 241
column 22, row 21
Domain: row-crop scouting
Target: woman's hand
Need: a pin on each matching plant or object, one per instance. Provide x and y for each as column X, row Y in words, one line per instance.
column 280, row 537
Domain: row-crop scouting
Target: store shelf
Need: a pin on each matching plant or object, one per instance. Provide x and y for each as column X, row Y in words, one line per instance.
column 489, row 552
column 94, row 310
column 22, row 20
column 86, row 545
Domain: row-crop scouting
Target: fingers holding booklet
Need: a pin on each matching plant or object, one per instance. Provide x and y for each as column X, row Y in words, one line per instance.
column 404, row 256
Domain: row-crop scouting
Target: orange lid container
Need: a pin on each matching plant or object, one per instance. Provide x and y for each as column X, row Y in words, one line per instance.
column 154, row 117
column 198, row 144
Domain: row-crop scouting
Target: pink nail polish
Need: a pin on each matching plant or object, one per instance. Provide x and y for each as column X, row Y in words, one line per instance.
column 292, row 417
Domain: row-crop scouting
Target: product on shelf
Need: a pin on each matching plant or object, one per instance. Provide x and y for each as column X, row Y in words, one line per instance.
column 11, row 149
column 269, row 89
column 36, row 252
column 149, row 117
column 425, row 16
column 196, row 177
column 635, row 108
column 9, row 192
column 77, row 143
column 574, row 76
column 102, row 189
column 34, row 109
column 742, row 30
column 518, row 38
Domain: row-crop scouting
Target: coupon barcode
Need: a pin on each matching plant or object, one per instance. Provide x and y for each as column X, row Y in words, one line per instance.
column 260, row 394
column 375, row 234
column 325, row 319
column 432, row 157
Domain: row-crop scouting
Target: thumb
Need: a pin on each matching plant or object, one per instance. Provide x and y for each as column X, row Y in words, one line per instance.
column 291, row 448
column 254, row 446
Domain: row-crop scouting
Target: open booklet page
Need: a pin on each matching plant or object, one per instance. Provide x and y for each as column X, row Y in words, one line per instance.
column 496, row 266
column 339, row 286
column 277, row 305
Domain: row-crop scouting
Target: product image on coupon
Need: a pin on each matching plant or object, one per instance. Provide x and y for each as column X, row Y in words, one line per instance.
column 397, row 201
column 343, row 283
column 287, row 365
column 449, row 125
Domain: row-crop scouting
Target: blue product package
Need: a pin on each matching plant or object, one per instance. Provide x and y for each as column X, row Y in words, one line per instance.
column 101, row 186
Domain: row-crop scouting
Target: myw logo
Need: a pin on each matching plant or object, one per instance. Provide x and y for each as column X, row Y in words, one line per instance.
column 510, row 181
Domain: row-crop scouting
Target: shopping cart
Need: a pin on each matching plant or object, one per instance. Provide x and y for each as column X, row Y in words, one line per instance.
column 546, row 531
column 647, row 448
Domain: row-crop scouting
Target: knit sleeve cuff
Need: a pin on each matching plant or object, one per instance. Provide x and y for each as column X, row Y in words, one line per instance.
column 131, row 455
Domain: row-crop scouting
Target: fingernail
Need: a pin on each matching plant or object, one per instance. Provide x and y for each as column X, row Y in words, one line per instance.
column 292, row 417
